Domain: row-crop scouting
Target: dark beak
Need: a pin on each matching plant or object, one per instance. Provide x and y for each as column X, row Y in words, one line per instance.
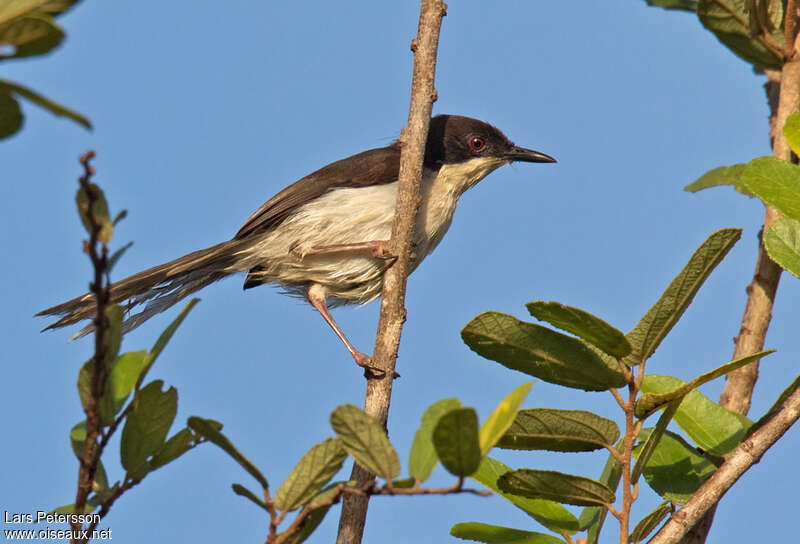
column 520, row 154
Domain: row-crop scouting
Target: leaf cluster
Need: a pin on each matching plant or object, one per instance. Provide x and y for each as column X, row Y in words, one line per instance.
column 595, row 356
column 28, row 28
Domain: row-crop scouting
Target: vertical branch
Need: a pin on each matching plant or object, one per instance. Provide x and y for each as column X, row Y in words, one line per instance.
column 90, row 457
column 783, row 96
column 761, row 291
column 393, row 312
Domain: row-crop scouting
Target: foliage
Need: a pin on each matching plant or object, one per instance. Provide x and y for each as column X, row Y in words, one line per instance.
column 28, row 28
column 670, row 465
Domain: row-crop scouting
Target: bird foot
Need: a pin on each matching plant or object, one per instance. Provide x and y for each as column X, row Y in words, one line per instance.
column 370, row 371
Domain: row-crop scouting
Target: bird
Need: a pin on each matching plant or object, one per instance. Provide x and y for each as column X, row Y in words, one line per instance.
column 324, row 238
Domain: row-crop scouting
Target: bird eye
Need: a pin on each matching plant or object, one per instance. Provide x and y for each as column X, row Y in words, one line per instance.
column 477, row 144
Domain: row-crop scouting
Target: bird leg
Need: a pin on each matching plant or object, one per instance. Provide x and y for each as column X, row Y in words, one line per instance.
column 316, row 296
column 377, row 248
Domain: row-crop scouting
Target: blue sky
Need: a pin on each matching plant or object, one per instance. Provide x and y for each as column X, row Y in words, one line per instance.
column 203, row 114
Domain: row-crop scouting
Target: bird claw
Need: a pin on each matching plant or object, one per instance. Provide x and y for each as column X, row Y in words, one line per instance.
column 370, row 371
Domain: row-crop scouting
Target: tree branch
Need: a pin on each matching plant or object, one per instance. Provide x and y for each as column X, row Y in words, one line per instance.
column 393, row 313
column 748, row 453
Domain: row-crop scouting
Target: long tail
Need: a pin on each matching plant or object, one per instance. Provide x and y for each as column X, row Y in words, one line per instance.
column 156, row 288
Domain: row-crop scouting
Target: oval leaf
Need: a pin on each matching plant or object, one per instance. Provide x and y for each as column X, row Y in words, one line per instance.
column 455, row 438
column 782, row 241
column 146, row 426
column 675, row 470
column 583, row 325
column 540, row 352
column 124, row 373
column 10, row 115
column 650, row 522
column 791, row 131
column 502, row 417
column 314, row 470
column 550, row 514
column 729, row 21
column 364, row 438
column 556, row 486
column 559, row 430
column 422, row 458
column 495, row 534
column 723, row 175
column 776, row 182
column 177, row 445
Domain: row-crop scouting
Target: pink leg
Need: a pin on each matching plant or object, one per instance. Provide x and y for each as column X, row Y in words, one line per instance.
column 316, row 296
column 377, row 248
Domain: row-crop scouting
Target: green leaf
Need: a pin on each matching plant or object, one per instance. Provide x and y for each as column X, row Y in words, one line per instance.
column 53, row 107
column 723, row 175
column 99, row 212
column 314, row 470
column 582, row 324
column 653, row 439
column 33, row 34
column 556, row 486
column 124, row 372
column 540, row 352
column 10, row 115
column 715, row 429
column 146, row 427
column 791, row 131
column 308, row 527
column 559, row 430
column 85, row 383
column 117, row 254
column 77, row 438
column 782, row 241
column 502, row 417
column 775, row 182
column 11, row 9
column 650, row 402
column 177, row 445
column 550, row 514
column 684, row 5
column 593, row 517
column 112, row 337
column 455, row 438
column 675, row 470
column 364, row 438
column 210, row 430
column 422, row 458
column 659, row 320
column 650, row 522
column 494, row 534
column 729, row 22
column 242, row 491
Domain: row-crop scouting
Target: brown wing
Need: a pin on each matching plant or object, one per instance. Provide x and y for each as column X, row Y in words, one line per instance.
column 373, row 167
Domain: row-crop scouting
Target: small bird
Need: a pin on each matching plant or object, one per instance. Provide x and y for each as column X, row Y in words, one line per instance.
column 324, row 237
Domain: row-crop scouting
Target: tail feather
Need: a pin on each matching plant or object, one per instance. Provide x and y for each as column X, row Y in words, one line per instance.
column 156, row 288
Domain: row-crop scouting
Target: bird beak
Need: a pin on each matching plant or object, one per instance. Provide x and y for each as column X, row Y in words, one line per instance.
column 520, row 154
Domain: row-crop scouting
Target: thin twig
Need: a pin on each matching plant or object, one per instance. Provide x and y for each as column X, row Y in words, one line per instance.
column 393, row 313
column 91, row 453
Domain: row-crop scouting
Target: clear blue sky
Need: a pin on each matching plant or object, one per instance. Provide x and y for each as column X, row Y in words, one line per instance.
column 204, row 112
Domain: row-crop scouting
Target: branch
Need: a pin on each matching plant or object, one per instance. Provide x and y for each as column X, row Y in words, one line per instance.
column 91, row 452
column 393, row 313
column 743, row 457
